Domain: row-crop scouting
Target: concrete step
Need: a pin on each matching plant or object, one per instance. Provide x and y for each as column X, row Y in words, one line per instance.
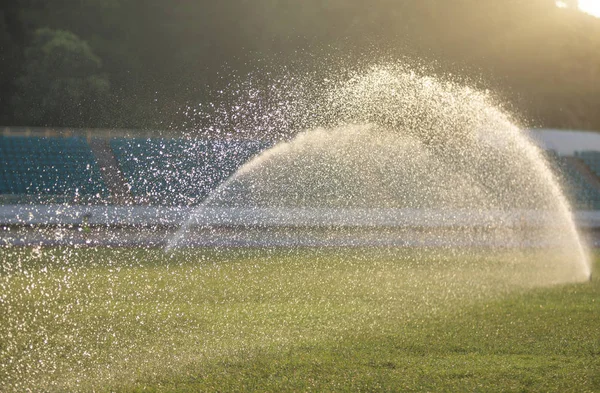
column 111, row 174
column 585, row 171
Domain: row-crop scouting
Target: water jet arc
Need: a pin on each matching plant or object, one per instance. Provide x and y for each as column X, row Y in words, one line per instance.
column 394, row 139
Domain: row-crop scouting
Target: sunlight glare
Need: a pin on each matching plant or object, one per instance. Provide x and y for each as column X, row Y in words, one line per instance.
column 591, row 7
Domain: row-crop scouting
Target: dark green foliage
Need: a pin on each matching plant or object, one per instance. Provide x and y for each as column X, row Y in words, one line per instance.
column 161, row 55
column 61, row 82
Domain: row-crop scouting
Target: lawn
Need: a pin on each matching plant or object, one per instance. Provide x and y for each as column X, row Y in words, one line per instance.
column 133, row 320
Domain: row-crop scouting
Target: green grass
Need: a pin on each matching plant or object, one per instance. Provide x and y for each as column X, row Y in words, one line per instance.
column 136, row 320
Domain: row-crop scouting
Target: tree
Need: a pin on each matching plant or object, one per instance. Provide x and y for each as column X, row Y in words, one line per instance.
column 12, row 36
column 62, row 83
column 162, row 56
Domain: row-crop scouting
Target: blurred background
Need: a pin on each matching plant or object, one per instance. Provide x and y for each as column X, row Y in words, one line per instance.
column 97, row 96
column 137, row 63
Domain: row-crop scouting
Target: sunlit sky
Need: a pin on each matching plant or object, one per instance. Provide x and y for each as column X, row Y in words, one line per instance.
column 592, row 7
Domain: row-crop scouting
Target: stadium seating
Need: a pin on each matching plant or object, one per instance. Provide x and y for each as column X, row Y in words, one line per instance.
column 163, row 171
column 174, row 171
column 591, row 159
column 582, row 194
column 59, row 169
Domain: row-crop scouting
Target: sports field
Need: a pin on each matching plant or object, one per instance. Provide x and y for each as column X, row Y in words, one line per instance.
column 133, row 320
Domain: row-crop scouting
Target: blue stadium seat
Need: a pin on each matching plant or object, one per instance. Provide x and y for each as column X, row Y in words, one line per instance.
column 582, row 194
column 165, row 171
column 47, row 167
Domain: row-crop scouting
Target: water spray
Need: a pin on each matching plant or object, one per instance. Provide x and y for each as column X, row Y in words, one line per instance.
column 389, row 137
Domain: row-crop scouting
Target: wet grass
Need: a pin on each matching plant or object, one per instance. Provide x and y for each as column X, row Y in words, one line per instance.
column 134, row 320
